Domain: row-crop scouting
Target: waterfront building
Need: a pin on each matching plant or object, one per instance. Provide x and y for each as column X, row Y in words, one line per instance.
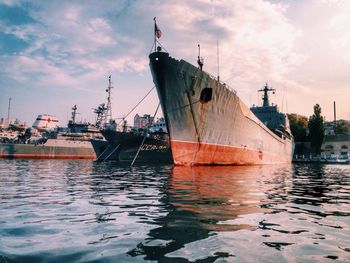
column 141, row 122
column 336, row 144
column 328, row 128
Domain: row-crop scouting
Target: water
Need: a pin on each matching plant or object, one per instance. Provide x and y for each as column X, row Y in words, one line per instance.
column 82, row 211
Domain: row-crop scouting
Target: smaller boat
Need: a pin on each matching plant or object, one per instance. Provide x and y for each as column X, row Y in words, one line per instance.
column 7, row 136
column 150, row 145
column 52, row 142
column 61, row 147
column 126, row 144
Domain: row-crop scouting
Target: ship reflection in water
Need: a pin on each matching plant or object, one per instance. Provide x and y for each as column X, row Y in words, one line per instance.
column 231, row 191
column 101, row 212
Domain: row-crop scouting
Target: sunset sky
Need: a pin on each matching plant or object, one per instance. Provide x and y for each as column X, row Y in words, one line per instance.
column 54, row 54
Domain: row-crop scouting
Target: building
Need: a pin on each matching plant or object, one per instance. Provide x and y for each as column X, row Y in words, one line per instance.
column 336, row 144
column 142, row 122
column 343, row 126
column 328, row 128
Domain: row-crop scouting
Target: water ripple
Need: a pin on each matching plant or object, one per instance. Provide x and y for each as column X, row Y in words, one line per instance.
column 82, row 211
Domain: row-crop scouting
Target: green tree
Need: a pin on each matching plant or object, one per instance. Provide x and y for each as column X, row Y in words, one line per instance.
column 298, row 125
column 342, row 127
column 316, row 130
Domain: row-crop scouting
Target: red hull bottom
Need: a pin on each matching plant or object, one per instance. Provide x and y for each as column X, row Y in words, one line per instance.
column 38, row 156
column 191, row 153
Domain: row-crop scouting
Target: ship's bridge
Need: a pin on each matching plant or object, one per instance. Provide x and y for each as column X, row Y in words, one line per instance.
column 269, row 114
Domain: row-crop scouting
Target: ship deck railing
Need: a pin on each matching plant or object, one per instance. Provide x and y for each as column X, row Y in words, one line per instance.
column 223, row 83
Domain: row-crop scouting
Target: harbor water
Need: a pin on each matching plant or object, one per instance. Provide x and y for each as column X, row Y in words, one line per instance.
column 86, row 211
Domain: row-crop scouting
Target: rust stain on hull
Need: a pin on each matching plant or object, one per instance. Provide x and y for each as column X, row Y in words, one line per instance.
column 220, row 155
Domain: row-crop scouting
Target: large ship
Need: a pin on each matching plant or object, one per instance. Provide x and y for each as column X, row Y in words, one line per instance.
column 207, row 122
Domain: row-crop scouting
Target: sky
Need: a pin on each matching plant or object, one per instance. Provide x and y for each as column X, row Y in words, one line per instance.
column 55, row 54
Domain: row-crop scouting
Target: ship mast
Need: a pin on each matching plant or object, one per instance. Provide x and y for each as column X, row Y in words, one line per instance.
column 74, row 113
column 266, row 89
column 108, row 115
column 200, row 60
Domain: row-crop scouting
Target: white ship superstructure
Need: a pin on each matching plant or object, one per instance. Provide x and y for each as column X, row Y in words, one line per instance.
column 45, row 122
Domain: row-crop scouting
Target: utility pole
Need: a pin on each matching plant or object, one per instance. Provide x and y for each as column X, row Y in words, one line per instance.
column 8, row 112
column 335, row 118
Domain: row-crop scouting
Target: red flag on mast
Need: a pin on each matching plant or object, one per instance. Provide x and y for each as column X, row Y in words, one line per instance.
column 157, row 31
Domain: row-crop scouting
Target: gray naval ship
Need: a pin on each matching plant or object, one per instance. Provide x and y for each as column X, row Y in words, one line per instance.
column 73, row 143
column 208, row 123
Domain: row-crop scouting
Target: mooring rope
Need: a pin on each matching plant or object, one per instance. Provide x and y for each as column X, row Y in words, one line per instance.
column 144, row 138
column 102, row 153
column 137, row 105
column 112, row 152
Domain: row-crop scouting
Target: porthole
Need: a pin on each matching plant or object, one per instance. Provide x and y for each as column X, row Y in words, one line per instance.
column 206, row 95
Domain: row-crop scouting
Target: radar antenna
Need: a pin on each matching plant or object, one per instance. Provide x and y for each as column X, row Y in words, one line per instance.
column 74, row 113
column 266, row 89
column 101, row 112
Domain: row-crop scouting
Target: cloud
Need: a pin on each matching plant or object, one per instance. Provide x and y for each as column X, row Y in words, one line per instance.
column 10, row 2
column 74, row 45
column 254, row 36
column 339, row 25
column 256, row 40
column 69, row 43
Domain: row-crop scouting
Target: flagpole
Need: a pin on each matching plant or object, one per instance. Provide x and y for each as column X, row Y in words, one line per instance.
column 155, row 36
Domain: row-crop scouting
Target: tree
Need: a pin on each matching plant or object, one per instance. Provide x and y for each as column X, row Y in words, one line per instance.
column 316, row 130
column 298, row 125
column 342, row 127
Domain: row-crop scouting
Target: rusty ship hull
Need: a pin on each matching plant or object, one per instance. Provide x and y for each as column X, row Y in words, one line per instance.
column 214, row 128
